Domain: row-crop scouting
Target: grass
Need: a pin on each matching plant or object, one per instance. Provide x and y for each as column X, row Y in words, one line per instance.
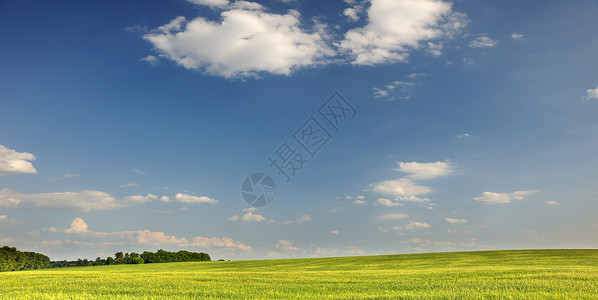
column 520, row 274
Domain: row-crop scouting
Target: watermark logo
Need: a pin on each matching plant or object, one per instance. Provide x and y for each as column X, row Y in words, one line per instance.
column 258, row 189
column 289, row 158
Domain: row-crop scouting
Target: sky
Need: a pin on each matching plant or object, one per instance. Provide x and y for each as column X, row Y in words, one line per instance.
column 386, row 126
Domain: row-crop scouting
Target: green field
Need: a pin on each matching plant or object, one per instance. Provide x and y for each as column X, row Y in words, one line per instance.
column 522, row 274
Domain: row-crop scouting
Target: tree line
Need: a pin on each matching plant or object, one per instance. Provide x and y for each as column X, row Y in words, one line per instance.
column 146, row 257
column 12, row 259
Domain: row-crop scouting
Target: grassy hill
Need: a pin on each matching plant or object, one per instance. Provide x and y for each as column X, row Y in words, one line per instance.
column 520, row 274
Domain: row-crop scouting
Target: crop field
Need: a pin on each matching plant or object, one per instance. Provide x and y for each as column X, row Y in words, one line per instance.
column 520, row 274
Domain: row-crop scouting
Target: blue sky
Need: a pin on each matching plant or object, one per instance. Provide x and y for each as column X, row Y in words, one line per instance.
column 131, row 126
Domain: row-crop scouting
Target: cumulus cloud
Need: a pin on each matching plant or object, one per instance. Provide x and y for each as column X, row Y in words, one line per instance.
column 184, row 198
column 395, row 90
column 251, row 217
column 335, row 232
column 139, row 199
column 501, row 198
column 517, row 36
column 248, row 40
column 552, row 203
column 463, row 135
column 396, row 26
column 211, row 3
column 483, row 42
column 152, row 60
column 144, row 237
column 387, row 202
column 285, row 245
column 455, row 221
column 591, row 94
column 425, row 170
column 392, row 216
column 224, row 242
column 399, row 187
column 13, row 162
column 84, row 201
column 77, row 226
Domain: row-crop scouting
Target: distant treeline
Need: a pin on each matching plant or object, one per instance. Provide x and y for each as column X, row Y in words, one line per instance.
column 12, row 259
column 146, row 257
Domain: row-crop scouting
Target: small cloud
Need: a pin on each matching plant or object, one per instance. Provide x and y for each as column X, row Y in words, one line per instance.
column 502, row 198
column 387, row 202
column 304, row 218
column 425, row 170
column 591, row 94
column 463, row 135
column 392, row 216
column 137, row 171
column 359, row 202
column 234, row 218
column 77, row 226
column 13, row 162
column 152, row 60
column 552, row 203
column 251, row 217
column 455, row 221
column 211, row 3
column 184, row 198
column 335, row 232
column 399, row 187
column 416, row 75
column 483, row 42
column 517, row 36
column 139, row 199
column 129, row 184
column 395, row 90
column 285, row 245
column 63, row 177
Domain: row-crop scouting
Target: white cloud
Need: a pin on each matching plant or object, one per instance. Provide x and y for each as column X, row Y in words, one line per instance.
column 84, row 201
column 224, row 242
column 248, row 40
column 455, row 221
column 392, row 216
column 591, row 94
column 412, row 199
column 463, row 135
column 517, row 36
column 13, row 162
column 387, row 202
column 285, row 245
column 3, row 218
column 77, row 226
column 396, row 26
column 483, row 42
column 251, row 217
column 129, row 184
column 359, row 202
column 139, row 199
column 352, row 13
column 63, row 177
column 434, row 49
column 184, row 198
column 500, row 198
column 425, row 170
column 7, row 199
column 395, row 90
column 137, row 171
column 234, row 218
column 144, row 237
column 211, row 3
column 552, row 203
column 412, row 225
column 399, row 187
column 152, row 60
column 304, row 218
column 335, row 232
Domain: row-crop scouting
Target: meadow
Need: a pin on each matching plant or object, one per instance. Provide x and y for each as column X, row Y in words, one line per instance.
column 518, row 274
